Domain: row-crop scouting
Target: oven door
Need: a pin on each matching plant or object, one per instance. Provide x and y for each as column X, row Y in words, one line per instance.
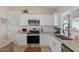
column 33, row 39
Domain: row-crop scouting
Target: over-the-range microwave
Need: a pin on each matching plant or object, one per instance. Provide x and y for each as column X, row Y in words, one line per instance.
column 34, row 22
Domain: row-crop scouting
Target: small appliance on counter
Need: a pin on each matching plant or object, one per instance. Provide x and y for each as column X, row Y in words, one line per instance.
column 24, row 30
column 32, row 38
column 56, row 30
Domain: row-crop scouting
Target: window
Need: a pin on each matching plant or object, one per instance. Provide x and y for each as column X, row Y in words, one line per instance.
column 75, row 19
column 75, row 23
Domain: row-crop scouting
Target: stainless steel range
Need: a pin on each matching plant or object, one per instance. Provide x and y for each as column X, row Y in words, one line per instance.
column 33, row 37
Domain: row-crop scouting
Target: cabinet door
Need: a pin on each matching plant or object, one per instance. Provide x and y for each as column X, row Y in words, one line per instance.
column 13, row 22
column 57, row 46
column 34, row 17
column 57, row 20
column 21, row 39
column 13, row 18
column 24, row 19
column 45, row 20
column 44, row 40
column 51, row 45
column 47, row 39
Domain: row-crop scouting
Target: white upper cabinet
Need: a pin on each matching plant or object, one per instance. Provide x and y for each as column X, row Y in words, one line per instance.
column 24, row 19
column 13, row 21
column 57, row 20
column 34, row 17
column 45, row 20
column 14, row 18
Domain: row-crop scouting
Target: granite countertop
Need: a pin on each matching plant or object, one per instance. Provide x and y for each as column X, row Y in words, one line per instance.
column 5, row 42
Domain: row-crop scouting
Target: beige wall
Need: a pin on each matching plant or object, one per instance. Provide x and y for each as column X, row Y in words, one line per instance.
column 32, row 9
column 3, row 27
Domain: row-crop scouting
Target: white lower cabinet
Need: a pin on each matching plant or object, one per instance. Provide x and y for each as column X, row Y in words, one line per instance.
column 55, row 45
column 21, row 39
column 44, row 40
column 51, row 45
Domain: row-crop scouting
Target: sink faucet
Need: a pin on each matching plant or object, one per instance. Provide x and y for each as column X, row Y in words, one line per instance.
column 68, row 24
column 63, row 27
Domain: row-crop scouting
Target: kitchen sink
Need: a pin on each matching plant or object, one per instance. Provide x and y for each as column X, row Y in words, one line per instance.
column 63, row 37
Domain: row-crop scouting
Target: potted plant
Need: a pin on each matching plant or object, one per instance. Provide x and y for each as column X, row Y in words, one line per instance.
column 25, row 11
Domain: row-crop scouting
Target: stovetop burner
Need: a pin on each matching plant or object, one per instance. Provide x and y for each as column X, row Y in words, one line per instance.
column 34, row 32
